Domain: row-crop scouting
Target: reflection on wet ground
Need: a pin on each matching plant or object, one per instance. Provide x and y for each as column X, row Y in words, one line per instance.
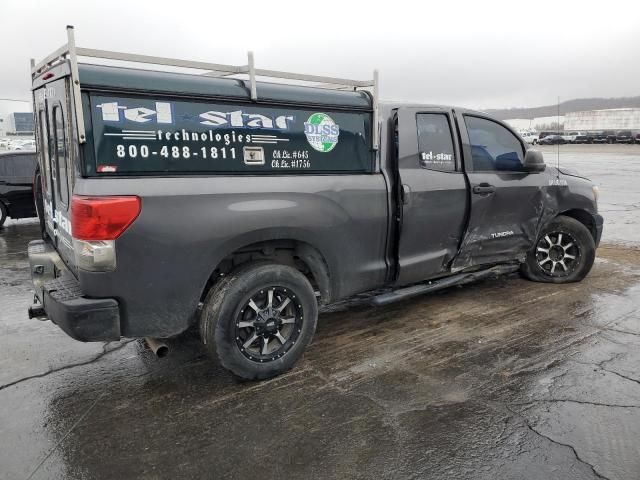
column 502, row 379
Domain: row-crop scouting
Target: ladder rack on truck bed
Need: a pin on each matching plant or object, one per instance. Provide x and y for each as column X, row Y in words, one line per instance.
column 71, row 52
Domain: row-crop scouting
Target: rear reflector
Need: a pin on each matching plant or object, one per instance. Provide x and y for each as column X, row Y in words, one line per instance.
column 102, row 218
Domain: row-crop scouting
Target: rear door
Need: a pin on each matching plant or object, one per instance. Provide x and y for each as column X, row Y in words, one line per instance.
column 506, row 202
column 433, row 195
column 53, row 130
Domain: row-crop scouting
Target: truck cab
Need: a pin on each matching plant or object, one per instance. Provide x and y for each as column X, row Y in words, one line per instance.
column 172, row 200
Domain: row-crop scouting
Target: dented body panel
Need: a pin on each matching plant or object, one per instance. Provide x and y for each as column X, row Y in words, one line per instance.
column 507, row 223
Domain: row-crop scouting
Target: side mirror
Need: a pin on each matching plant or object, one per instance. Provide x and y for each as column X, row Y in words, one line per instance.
column 534, row 161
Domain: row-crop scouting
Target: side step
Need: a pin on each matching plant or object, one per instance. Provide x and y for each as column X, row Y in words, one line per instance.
column 439, row 284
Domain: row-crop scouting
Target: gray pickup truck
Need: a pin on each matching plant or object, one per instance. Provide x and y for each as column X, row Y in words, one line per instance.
column 176, row 199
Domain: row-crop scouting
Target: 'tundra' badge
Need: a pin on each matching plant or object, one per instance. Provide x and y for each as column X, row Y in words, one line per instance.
column 322, row 132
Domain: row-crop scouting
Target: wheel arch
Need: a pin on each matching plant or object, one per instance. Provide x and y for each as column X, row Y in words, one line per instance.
column 584, row 217
column 286, row 250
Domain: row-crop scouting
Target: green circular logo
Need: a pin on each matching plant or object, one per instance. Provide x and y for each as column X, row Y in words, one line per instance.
column 321, row 132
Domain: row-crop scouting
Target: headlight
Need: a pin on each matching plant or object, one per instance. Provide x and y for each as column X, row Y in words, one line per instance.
column 596, row 193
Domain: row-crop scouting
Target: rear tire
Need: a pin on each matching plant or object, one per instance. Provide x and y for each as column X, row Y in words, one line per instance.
column 3, row 214
column 564, row 253
column 259, row 319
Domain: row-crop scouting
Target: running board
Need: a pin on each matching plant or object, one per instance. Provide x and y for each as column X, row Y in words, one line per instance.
column 439, row 284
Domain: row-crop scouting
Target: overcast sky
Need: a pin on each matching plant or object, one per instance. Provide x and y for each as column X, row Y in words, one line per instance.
column 479, row 54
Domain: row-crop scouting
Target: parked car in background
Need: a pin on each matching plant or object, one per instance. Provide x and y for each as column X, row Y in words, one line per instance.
column 26, row 145
column 4, row 142
column 611, row 136
column 14, row 143
column 553, row 140
column 584, row 137
column 598, row 137
column 531, row 138
column 570, row 137
column 17, row 170
column 637, row 137
column 625, row 136
column 541, row 135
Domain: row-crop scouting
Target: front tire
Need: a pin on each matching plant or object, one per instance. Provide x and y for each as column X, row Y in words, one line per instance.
column 564, row 253
column 259, row 319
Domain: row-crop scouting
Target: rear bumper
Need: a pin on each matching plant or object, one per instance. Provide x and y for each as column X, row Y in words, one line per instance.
column 599, row 222
column 84, row 319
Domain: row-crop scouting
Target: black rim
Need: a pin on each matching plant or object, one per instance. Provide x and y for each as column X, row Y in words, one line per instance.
column 269, row 324
column 558, row 254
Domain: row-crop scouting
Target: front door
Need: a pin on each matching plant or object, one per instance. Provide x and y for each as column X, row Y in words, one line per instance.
column 433, row 196
column 506, row 201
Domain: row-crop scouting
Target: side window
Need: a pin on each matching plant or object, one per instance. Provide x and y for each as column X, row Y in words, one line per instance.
column 435, row 142
column 60, row 151
column 493, row 147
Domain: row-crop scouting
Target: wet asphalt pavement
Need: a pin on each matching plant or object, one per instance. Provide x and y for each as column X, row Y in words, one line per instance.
column 502, row 379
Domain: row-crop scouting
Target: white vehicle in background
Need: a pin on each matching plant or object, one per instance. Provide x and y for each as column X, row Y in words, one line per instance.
column 22, row 144
column 12, row 143
column 570, row 137
column 4, row 142
column 26, row 145
column 531, row 138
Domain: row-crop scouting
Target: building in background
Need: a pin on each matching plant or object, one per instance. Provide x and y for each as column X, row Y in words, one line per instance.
column 537, row 124
column 19, row 123
column 7, row 109
column 612, row 119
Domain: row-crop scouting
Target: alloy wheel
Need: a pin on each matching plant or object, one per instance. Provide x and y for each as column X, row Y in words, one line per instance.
column 269, row 324
column 557, row 254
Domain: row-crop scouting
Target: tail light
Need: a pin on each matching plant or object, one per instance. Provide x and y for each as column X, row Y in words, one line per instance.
column 96, row 222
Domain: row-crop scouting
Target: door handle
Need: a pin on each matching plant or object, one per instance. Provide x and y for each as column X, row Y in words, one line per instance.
column 484, row 189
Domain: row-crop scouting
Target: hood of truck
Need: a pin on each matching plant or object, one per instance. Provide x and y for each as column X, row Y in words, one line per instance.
column 568, row 171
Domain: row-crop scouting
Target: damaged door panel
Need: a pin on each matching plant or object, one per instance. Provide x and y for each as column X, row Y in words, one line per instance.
column 508, row 203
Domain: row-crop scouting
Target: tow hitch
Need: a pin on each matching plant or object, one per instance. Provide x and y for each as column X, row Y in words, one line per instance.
column 37, row 310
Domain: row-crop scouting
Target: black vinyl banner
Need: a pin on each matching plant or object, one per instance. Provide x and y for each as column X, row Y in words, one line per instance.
column 140, row 135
